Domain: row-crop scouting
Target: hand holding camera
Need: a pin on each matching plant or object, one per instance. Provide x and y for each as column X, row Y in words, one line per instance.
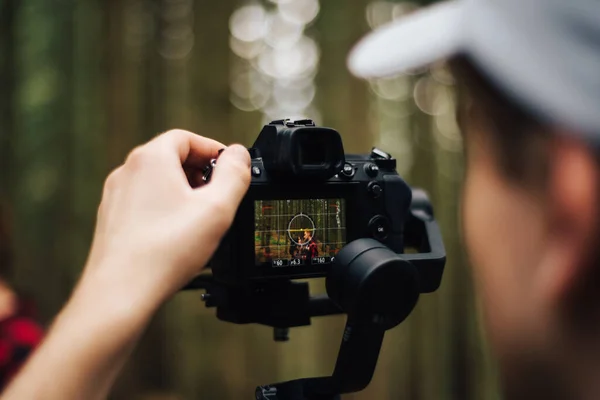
column 155, row 231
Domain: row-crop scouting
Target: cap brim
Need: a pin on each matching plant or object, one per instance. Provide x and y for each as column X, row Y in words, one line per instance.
column 416, row 40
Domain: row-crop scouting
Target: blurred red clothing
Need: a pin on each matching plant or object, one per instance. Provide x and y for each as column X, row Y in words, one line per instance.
column 20, row 334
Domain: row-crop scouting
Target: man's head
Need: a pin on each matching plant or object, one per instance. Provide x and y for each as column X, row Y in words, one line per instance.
column 307, row 235
column 531, row 228
column 529, row 78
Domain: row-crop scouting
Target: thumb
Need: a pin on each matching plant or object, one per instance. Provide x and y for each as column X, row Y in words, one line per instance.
column 230, row 179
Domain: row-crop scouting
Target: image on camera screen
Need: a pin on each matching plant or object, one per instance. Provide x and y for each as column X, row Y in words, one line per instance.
column 292, row 233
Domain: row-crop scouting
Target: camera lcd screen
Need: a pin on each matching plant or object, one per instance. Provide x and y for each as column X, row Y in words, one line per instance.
column 298, row 233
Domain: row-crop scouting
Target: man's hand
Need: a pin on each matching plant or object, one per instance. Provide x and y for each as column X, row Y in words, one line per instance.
column 155, row 232
column 157, row 228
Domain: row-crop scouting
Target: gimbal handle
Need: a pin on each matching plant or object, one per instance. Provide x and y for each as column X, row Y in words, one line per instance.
column 354, row 369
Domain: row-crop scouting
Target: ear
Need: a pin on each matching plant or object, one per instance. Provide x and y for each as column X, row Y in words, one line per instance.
column 572, row 199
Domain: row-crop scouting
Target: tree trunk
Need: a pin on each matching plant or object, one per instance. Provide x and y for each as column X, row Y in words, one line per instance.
column 7, row 99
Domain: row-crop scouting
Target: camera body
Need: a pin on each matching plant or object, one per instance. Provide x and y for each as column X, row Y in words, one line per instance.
column 312, row 211
column 308, row 199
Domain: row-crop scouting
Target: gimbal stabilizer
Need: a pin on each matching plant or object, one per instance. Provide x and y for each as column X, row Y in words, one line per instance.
column 374, row 286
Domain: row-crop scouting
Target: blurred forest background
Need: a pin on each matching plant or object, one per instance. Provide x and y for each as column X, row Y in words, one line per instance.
column 83, row 82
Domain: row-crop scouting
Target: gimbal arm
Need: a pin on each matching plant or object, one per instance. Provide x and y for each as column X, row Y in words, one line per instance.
column 374, row 286
column 377, row 289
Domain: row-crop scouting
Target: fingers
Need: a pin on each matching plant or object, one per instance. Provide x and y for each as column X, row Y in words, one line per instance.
column 229, row 181
column 175, row 149
column 190, row 149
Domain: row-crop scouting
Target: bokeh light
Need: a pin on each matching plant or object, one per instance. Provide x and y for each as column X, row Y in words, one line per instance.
column 399, row 101
column 301, row 12
column 429, row 96
column 441, row 73
column 291, row 62
column 246, row 50
column 379, row 13
column 401, row 9
column 281, row 33
column 397, row 88
column 249, row 23
column 277, row 59
column 294, row 97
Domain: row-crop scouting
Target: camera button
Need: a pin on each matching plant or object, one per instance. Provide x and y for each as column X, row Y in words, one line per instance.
column 256, row 171
column 375, row 189
column 371, row 170
column 379, row 227
column 348, row 170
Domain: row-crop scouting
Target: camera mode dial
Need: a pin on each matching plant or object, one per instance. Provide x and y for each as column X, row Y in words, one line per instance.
column 382, row 159
column 378, row 153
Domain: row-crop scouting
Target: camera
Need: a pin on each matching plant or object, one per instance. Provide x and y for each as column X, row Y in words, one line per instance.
column 312, row 211
column 307, row 200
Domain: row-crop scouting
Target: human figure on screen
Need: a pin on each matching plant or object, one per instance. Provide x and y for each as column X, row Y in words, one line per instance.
column 298, row 248
column 267, row 254
column 309, row 247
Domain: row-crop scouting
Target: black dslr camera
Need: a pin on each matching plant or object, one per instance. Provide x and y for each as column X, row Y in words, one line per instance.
column 312, row 211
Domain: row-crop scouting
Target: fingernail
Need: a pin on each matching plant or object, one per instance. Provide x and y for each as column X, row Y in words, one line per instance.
column 240, row 151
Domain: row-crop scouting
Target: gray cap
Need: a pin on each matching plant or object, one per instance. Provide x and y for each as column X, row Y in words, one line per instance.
column 543, row 53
